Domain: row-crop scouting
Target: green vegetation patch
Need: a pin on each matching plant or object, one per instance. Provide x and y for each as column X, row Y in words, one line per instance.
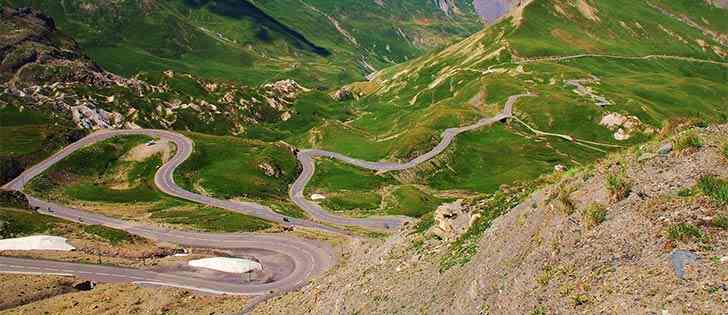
column 332, row 176
column 350, row 188
column 689, row 140
column 254, row 41
column 594, row 214
column 94, row 192
column 21, row 140
column 563, row 196
column 425, row 223
column 230, row 167
column 618, row 186
column 89, row 175
column 412, row 201
column 29, row 136
column 685, row 231
column 17, row 223
column 686, row 192
column 212, row 219
column 96, row 160
column 720, row 221
column 86, row 174
column 715, row 188
column 343, row 201
column 113, row 236
column 485, row 159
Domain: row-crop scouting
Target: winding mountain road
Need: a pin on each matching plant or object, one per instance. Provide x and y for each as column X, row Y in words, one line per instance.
column 310, row 258
column 647, row 57
column 307, row 160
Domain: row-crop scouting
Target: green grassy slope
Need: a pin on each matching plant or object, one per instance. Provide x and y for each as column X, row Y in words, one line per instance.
column 355, row 192
column 230, row 167
column 18, row 223
column 27, row 137
column 402, row 111
column 317, row 41
column 99, row 178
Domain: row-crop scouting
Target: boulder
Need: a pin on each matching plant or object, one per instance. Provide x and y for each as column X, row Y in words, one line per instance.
column 681, row 258
column 84, row 285
column 270, row 170
column 342, row 94
column 452, row 220
column 665, row 149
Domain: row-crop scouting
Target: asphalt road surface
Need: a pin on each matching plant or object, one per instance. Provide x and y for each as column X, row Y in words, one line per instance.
column 307, row 160
column 310, row 258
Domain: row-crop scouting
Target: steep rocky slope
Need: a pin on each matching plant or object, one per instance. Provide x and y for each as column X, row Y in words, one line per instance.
column 610, row 238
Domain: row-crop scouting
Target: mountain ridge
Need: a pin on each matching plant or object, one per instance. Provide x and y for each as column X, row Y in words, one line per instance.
column 327, row 43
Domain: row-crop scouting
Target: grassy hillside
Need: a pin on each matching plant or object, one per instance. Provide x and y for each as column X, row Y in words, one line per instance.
column 230, row 167
column 606, row 75
column 107, row 179
column 352, row 191
column 44, row 73
column 321, row 42
column 402, row 111
column 27, row 137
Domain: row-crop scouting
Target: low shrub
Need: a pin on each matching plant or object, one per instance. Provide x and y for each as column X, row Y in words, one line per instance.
column 687, row 192
column 619, row 187
column 594, row 214
column 720, row 221
column 13, row 199
column 689, row 140
column 714, row 188
column 684, row 231
column 567, row 205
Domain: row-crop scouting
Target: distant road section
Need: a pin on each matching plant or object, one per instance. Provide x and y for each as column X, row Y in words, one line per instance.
column 307, row 160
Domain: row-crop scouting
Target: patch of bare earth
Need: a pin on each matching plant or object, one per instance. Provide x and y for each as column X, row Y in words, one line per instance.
column 587, row 10
column 569, row 38
column 23, row 289
column 142, row 152
column 110, row 299
column 542, row 257
column 160, row 147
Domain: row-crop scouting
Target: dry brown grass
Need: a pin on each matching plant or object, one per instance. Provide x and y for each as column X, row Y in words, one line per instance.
column 125, row 299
